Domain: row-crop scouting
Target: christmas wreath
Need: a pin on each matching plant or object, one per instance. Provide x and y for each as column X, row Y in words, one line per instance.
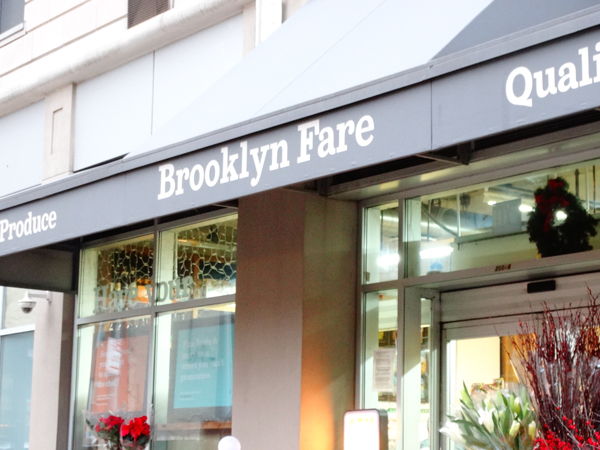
column 559, row 224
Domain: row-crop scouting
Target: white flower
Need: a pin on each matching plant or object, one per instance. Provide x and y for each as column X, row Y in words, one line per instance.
column 532, row 429
column 514, row 429
column 452, row 430
column 486, row 419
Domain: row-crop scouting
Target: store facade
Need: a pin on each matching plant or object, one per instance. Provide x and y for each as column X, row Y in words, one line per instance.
column 365, row 251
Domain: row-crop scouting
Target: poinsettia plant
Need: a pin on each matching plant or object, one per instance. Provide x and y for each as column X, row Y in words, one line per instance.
column 107, row 430
column 135, row 434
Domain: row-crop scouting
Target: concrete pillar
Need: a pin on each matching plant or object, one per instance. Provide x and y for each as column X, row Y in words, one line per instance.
column 51, row 380
column 295, row 343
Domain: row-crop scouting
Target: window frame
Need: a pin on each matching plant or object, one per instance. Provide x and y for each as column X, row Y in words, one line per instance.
column 519, row 158
column 153, row 310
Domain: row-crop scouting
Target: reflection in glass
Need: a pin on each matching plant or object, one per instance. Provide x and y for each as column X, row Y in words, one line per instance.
column 117, row 276
column 380, row 359
column 485, row 224
column 194, row 378
column 13, row 315
column 15, row 390
column 112, row 371
column 381, row 243
column 198, row 261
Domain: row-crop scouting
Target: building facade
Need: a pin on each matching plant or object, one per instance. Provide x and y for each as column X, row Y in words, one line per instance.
column 254, row 216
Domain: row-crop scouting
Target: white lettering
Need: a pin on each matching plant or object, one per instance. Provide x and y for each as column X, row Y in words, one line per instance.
column 27, row 229
column 166, row 178
column 244, row 173
column 596, row 59
column 258, row 162
column 364, row 125
column 285, row 162
column 45, row 219
column 306, row 139
column 196, row 185
column 210, row 182
column 3, row 229
column 342, row 127
column 181, row 174
column 585, row 67
column 568, row 80
column 539, row 83
column 523, row 99
column 327, row 145
column 229, row 172
column 51, row 220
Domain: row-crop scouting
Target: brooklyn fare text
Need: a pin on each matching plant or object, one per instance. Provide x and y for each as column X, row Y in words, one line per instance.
column 243, row 162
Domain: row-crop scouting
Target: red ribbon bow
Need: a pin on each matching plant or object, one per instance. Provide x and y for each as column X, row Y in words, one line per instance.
column 549, row 205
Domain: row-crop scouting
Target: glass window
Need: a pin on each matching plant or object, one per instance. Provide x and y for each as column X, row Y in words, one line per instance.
column 112, row 362
column 485, row 225
column 380, row 356
column 174, row 362
column 194, row 377
column 16, row 365
column 381, row 256
column 117, row 276
column 198, row 261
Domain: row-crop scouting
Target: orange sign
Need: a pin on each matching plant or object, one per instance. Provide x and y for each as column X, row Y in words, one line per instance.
column 120, row 374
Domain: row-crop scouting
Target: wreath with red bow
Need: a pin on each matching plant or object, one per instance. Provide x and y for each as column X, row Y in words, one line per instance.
column 554, row 236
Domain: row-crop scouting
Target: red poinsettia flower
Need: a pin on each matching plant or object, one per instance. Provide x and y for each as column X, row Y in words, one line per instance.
column 111, row 422
column 135, row 428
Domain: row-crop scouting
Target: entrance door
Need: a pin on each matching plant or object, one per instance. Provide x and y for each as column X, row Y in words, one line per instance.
column 477, row 326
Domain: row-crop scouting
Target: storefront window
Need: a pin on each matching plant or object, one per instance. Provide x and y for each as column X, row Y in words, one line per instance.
column 486, row 225
column 111, row 376
column 381, row 256
column 198, row 261
column 16, row 365
column 380, row 356
column 117, row 276
column 194, row 377
column 159, row 343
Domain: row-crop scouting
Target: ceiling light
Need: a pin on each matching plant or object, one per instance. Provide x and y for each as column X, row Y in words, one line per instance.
column 561, row 215
column 525, row 208
column 388, row 260
column 492, row 203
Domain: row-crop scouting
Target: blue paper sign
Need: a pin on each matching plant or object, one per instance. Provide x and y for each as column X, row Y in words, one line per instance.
column 204, row 367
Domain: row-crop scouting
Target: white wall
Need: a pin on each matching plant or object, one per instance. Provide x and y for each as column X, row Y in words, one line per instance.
column 115, row 112
column 187, row 68
column 21, row 148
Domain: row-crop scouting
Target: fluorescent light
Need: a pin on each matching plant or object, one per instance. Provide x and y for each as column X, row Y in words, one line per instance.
column 492, row 203
column 561, row 215
column 388, row 260
column 525, row 208
column 436, row 252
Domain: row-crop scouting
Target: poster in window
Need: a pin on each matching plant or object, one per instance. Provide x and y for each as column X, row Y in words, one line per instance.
column 201, row 374
column 119, row 367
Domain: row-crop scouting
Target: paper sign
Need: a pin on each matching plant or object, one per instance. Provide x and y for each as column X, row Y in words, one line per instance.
column 383, row 369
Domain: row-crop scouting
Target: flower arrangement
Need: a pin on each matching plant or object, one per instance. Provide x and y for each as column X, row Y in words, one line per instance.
column 115, row 433
column 135, row 434
column 560, row 357
column 505, row 422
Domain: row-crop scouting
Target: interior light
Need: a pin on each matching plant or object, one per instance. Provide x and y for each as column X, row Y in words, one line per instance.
column 561, row 215
column 525, row 208
column 492, row 203
column 436, row 252
column 388, row 260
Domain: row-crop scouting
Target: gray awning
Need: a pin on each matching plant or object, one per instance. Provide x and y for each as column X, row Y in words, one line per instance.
column 278, row 118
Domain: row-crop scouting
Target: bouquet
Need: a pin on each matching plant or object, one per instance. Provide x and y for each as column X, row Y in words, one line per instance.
column 135, row 434
column 107, row 430
column 507, row 422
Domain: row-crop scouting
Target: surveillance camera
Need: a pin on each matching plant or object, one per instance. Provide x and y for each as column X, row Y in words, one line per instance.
column 27, row 304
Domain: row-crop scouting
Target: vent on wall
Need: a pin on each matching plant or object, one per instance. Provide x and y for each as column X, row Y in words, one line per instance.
column 139, row 11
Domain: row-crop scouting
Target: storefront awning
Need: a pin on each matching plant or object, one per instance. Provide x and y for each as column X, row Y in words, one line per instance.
column 327, row 93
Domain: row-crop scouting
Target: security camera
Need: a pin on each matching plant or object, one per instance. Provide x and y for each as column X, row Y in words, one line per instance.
column 27, row 303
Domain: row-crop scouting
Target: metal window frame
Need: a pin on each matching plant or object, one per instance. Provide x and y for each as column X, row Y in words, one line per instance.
column 567, row 147
column 152, row 311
